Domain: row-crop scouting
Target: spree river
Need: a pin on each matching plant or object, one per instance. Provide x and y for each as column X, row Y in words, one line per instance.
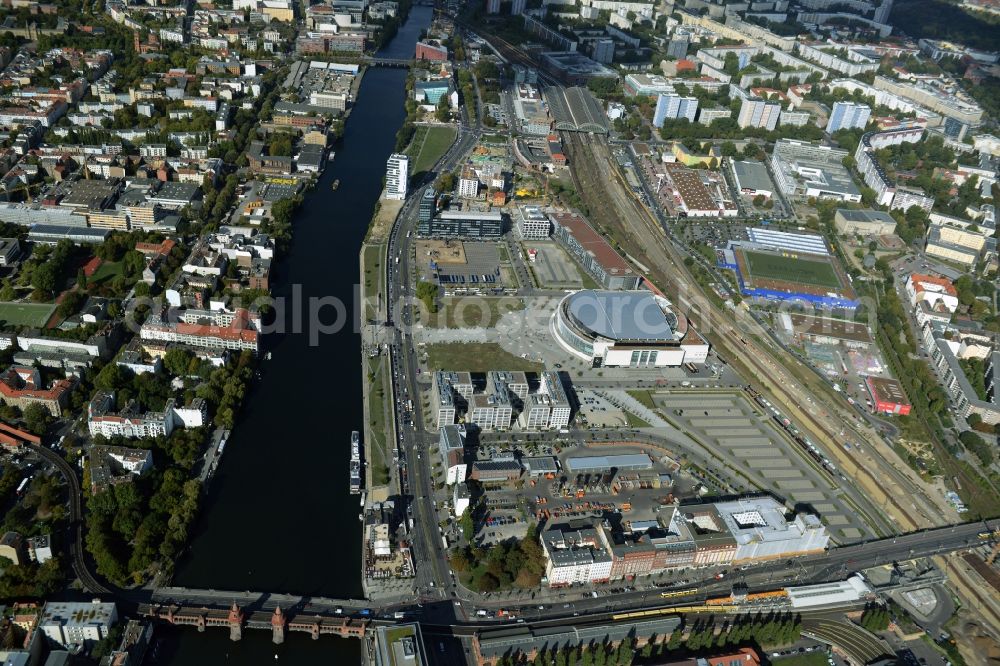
column 279, row 517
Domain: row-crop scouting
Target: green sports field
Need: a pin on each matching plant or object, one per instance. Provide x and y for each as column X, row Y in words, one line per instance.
column 26, row 314
column 803, row 271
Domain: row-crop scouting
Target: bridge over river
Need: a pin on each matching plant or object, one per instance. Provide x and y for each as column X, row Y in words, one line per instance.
column 280, row 613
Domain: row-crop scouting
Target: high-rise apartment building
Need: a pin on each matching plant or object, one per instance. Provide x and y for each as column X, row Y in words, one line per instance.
column 883, row 12
column 671, row 106
column 848, row 115
column 759, row 113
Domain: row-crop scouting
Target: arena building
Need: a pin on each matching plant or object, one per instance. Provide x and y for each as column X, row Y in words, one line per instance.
column 630, row 329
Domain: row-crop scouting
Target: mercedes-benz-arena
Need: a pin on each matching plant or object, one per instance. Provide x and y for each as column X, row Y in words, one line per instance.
column 626, row 329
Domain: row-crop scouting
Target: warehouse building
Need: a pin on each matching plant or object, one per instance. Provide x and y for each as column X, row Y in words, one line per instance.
column 594, row 253
column 888, row 396
column 752, row 179
column 601, row 464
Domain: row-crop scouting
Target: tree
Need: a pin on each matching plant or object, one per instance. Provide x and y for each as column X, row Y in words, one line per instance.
column 37, row 418
column 443, row 111
column 281, row 145
column 445, row 182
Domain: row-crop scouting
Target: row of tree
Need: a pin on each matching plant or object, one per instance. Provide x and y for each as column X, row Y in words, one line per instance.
column 773, row 629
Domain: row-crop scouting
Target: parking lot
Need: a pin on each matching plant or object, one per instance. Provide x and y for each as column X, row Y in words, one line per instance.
column 716, row 234
column 597, row 412
column 728, row 423
column 553, row 268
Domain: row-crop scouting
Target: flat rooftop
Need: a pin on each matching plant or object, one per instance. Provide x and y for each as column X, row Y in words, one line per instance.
column 887, row 390
column 841, row 329
column 752, row 175
column 624, row 461
column 865, row 215
column 692, row 190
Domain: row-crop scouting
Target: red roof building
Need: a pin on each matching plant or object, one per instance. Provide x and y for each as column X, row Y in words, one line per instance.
column 888, row 396
column 21, row 386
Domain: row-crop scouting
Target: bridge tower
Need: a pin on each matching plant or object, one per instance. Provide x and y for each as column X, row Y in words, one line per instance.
column 235, row 623
column 278, row 626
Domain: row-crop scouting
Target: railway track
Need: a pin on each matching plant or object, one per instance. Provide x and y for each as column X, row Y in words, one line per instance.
column 591, row 162
column 77, row 554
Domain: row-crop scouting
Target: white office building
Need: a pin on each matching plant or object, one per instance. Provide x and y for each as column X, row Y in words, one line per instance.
column 397, row 175
column 73, row 623
column 848, row 115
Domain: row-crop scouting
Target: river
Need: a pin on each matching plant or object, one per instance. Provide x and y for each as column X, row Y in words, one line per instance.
column 279, row 516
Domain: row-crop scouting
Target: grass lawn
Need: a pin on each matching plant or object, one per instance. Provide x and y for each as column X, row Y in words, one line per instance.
column 108, row 270
column 476, row 357
column 393, row 635
column 375, row 442
column 644, row 397
column 635, row 421
column 26, row 314
column 472, row 311
column 429, row 145
column 373, row 277
column 774, row 267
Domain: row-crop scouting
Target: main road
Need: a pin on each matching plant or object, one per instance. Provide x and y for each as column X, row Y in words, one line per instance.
column 414, row 475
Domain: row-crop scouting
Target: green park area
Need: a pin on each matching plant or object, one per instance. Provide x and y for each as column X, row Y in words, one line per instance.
column 108, row 270
column 804, row 271
column 26, row 314
column 476, row 357
column 428, row 145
